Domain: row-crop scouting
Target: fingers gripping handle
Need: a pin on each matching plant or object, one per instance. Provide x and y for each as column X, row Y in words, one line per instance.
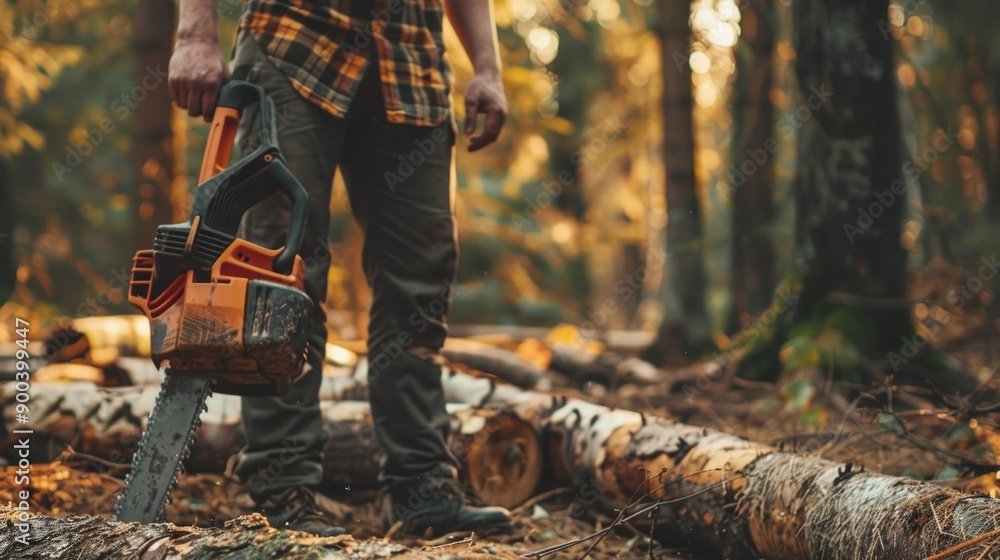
column 239, row 94
column 226, row 192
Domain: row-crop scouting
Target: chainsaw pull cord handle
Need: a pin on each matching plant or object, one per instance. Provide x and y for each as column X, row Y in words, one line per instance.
column 215, row 169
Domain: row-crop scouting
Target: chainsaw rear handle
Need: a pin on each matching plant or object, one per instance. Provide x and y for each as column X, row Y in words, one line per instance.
column 225, row 192
column 233, row 97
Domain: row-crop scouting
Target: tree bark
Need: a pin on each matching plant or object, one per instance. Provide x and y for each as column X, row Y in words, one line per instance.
column 721, row 495
column 727, row 497
column 842, row 304
column 153, row 150
column 754, row 146
column 8, row 268
column 498, row 453
column 248, row 538
column 493, row 360
column 684, row 331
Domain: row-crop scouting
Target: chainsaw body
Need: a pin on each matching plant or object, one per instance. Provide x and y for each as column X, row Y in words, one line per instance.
column 219, row 305
column 225, row 314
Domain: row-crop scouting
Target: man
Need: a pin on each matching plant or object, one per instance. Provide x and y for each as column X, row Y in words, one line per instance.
column 361, row 85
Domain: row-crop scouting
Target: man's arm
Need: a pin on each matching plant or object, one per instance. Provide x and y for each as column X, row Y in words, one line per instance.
column 197, row 69
column 476, row 27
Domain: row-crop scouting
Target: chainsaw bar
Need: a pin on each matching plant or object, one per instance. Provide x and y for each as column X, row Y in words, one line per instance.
column 164, row 445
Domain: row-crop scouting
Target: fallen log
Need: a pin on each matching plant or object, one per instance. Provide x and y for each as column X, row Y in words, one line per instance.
column 499, row 456
column 606, row 368
column 248, row 538
column 106, row 423
column 492, row 360
column 731, row 498
column 500, row 460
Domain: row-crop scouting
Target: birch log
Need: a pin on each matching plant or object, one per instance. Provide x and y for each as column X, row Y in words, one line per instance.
column 500, row 459
column 731, row 498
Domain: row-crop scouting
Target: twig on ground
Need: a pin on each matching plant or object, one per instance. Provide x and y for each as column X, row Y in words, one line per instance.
column 541, row 498
column 568, row 544
column 962, row 546
column 652, row 531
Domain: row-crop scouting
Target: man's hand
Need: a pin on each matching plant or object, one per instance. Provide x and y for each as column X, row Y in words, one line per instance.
column 485, row 95
column 475, row 25
column 195, row 75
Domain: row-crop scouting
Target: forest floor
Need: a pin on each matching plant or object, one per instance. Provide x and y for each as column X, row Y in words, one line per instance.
column 934, row 446
column 905, row 431
column 209, row 500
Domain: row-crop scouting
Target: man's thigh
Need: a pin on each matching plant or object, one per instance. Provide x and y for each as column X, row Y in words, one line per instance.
column 410, row 250
column 310, row 141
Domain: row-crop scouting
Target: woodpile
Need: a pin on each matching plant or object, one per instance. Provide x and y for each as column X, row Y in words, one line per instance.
column 499, row 453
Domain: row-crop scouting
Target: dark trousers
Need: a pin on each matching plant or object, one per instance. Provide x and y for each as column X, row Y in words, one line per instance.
column 401, row 192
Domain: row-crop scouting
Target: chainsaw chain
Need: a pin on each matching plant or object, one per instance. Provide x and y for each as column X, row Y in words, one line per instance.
column 139, row 457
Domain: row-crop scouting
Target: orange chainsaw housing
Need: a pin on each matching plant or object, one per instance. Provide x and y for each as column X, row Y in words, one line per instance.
column 245, row 325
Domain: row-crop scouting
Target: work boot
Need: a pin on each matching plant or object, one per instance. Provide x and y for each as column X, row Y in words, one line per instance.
column 434, row 507
column 298, row 509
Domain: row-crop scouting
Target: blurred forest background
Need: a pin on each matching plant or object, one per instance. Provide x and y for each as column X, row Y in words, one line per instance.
column 646, row 179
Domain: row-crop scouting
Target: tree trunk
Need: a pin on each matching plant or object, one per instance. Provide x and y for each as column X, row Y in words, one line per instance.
column 754, row 150
column 8, row 268
column 153, row 151
column 973, row 53
column 684, row 332
column 727, row 497
column 842, row 305
column 993, row 311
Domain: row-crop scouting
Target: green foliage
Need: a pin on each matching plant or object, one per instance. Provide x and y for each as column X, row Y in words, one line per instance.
column 66, row 218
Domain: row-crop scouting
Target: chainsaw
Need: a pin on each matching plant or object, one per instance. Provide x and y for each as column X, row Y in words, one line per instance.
column 225, row 315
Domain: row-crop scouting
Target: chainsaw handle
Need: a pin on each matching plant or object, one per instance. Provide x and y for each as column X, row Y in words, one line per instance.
column 237, row 94
column 216, row 200
column 297, row 226
column 233, row 97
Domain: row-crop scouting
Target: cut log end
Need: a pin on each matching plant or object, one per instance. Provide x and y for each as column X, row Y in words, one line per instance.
column 500, row 454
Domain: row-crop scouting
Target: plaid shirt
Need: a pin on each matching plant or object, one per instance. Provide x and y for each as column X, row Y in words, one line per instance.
column 324, row 47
